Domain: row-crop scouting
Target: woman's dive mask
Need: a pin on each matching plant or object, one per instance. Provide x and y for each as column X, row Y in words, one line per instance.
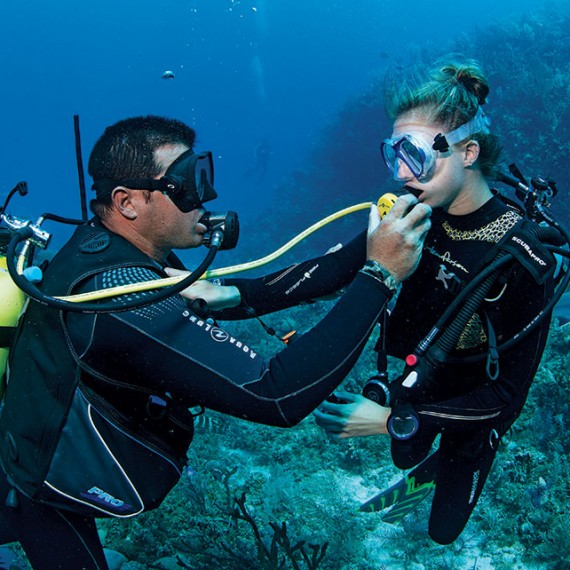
column 416, row 154
column 419, row 156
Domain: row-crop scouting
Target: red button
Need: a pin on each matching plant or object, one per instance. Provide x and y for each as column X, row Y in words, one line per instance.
column 411, row 360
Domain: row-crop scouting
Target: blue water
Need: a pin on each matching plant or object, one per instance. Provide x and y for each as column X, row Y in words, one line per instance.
column 244, row 71
column 248, row 71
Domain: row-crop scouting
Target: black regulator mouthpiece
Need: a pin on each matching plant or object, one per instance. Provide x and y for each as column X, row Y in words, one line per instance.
column 413, row 191
column 224, row 223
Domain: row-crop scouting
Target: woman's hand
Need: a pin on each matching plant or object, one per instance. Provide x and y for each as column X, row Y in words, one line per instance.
column 218, row 297
column 357, row 417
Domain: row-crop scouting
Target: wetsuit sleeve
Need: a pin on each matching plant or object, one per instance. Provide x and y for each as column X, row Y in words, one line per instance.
column 499, row 402
column 167, row 350
column 302, row 282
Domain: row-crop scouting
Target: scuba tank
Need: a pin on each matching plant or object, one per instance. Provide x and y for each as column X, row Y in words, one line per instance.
column 12, row 302
column 12, row 298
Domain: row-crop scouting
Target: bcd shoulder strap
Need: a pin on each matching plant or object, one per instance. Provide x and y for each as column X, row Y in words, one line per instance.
column 524, row 244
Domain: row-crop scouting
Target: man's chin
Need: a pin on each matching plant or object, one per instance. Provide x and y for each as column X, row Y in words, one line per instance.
column 191, row 243
column 198, row 240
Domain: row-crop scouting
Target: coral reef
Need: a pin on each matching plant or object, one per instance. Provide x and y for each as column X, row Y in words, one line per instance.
column 313, row 486
column 303, row 490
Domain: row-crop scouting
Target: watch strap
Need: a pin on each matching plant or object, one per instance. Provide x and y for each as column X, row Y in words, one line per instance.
column 379, row 272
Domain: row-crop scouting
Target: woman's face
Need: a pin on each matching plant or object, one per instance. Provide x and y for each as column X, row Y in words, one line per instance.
column 446, row 187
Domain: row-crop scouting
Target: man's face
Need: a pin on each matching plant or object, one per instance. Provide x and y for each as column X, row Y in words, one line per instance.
column 166, row 225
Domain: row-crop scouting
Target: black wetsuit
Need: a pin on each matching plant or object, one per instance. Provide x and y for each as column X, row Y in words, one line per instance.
column 95, row 415
column 468, row 409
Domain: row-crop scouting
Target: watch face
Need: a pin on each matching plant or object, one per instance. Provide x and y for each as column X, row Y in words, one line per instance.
column 403, row 426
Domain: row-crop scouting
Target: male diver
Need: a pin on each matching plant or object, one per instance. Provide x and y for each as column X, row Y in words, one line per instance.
column 96, row 417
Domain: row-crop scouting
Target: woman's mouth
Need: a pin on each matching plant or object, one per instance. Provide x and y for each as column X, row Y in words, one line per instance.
column 413, row 191
column 409, row 190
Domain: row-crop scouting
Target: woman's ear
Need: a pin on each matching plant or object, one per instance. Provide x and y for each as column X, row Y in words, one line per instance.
column 471, row 153
column 122, row 200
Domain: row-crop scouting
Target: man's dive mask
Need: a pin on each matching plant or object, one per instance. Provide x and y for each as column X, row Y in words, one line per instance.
column 188, row 182
column 419, row 156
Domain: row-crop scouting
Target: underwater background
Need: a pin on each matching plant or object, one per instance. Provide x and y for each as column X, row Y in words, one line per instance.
column 288, row 96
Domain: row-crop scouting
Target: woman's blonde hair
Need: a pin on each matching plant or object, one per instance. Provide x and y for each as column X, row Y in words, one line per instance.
column 448, row 96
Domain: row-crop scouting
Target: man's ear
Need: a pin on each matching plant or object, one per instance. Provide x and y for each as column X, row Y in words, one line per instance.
column 121, row 198
column 471, row 153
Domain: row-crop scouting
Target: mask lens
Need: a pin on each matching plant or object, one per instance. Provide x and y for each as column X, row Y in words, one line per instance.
column 191, row 178
column 416, row 156
column 389, row 154
column 204, row 174
column 413, row 156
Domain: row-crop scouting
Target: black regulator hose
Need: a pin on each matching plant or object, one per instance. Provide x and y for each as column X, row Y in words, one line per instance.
column 449, row 338
column 107, row 307
column 472, row 296
column 448, row 341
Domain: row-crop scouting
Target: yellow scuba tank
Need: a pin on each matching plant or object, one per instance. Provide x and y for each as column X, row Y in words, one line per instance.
column 12, row 301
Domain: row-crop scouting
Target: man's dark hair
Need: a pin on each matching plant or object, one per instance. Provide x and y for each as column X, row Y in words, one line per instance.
column 126, row 150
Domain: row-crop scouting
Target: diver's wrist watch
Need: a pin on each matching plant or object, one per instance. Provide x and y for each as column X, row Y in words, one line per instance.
column 378, row 271
column 403, row 423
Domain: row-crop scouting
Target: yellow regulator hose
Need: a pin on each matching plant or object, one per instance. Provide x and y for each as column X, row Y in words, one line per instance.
column 384, row 204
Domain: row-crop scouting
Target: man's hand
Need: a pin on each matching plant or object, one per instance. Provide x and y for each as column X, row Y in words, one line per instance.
column 356, row 417
column 218, row 297
column 396, row 242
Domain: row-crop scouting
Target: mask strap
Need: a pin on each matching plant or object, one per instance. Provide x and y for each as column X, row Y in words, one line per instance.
column 478, row 124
